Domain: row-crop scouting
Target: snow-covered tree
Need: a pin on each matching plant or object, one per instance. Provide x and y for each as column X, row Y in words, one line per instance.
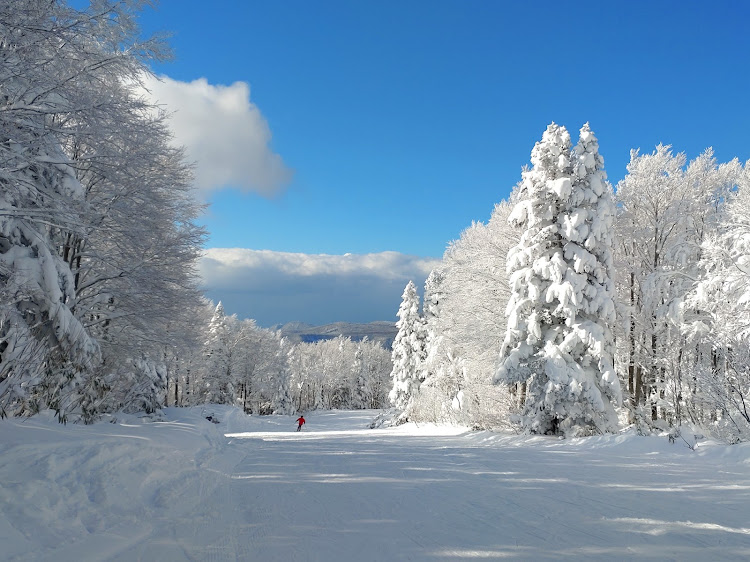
column 44, row 348
column 719, row 318
column 561, row 311
column 374, row 374
column 98, row 241
column 339, row 374
column 282, row 401
column 667, row 209
column 464, row 330
column 136, row 385
column 46, row 49
column 134, row 269
column 260, row 370
column 724, row 290
column 362, row 393
column 408, row 350
column 433, row 296
column 215, row 384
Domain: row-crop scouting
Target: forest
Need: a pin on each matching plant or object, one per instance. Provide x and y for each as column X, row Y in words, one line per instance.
column 648, row 279
column 579, row 308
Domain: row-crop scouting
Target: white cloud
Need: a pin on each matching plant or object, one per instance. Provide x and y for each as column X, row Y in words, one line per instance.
column 278, row 287
column 223, row 132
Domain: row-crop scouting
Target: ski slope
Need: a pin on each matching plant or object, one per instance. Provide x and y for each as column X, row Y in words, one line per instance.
column 252, row 488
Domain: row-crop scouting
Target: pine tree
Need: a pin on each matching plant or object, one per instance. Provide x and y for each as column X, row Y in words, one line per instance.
column 561, row 312
column 408, row 350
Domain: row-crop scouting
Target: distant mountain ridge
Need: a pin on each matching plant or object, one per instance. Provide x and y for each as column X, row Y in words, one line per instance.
column 381, row 332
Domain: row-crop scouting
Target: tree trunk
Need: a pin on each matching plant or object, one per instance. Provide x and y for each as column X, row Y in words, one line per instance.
column 186, row 397
column 677, row 407
column 638, row 395
column 652, row 391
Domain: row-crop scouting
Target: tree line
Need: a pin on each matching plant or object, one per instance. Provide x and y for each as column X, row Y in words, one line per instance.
column 259, row 370
column 579, row 308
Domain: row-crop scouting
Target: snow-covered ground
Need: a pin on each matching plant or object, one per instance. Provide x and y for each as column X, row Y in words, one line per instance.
column 252, row 488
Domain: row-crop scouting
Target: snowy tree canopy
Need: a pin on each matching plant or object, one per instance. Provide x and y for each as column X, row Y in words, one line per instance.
column 668, row 208
column 724, row 290
column 464, row 330
column 97, row 241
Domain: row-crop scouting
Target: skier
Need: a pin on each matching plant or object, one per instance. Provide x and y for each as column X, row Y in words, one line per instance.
column 301, row 422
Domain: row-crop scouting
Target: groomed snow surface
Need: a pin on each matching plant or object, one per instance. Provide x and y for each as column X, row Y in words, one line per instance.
column 252, row 488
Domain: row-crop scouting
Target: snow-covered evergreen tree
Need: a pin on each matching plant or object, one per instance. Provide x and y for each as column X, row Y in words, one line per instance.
column 561, row 311
column 408, row 350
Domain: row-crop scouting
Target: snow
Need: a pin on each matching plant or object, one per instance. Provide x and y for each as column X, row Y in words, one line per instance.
column 252, row 488
column 560, row 187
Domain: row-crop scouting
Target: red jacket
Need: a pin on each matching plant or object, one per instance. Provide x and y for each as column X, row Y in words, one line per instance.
column 300, row 420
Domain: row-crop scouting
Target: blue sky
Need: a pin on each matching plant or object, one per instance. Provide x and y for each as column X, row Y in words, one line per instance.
column 389, row 126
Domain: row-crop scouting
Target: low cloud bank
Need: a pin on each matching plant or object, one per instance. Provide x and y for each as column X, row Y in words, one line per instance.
column 278, row 287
